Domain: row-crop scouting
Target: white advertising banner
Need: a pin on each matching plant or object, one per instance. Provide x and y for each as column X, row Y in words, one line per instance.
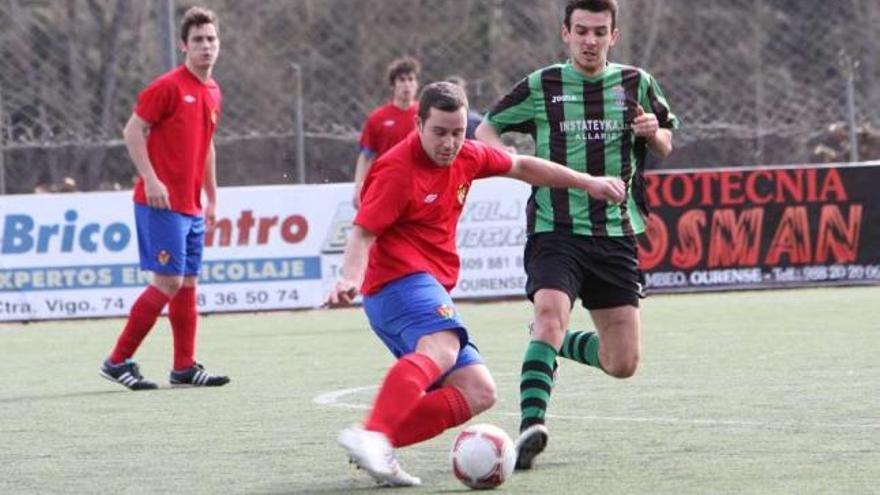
column 274, row 247
column 491, row 238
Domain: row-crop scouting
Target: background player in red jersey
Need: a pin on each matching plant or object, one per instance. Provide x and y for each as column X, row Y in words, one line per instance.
column 401, row 253
column 390, row 123
column 170, row 139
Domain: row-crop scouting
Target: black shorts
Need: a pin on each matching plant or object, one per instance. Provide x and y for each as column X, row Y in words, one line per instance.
column 602, row 271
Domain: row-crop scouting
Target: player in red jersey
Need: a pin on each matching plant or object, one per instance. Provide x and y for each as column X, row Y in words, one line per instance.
column 170, row 140
column 390, row 123
column 402, row 254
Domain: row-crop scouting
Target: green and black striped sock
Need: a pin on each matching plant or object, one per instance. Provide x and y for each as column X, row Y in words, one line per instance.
column 582, row 347
column 536, row 382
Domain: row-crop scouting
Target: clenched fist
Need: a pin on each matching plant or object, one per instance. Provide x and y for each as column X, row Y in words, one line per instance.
column 607, row 188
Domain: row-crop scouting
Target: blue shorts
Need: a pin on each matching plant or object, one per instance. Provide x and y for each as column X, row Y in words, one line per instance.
column 169, row 243
column 411, row 307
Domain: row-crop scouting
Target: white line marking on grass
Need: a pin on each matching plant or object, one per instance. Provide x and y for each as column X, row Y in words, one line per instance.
column 332, row 399
column 708, row 422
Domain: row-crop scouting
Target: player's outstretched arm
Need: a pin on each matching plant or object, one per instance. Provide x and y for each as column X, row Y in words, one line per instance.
column 354, row 264
column 135, row 136
column 540, row 172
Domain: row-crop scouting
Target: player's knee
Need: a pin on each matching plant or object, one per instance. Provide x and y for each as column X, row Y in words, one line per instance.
column 169, row 285
column 481, row 396
column 441, row 347
column 549, row 326
column 624, row 367
column 445, row 358
column 550, row 318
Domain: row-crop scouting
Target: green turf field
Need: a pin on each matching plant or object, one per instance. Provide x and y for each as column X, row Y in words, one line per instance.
column 759, row 392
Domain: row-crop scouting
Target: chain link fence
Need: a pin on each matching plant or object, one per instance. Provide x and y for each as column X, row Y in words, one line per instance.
column 754, row 81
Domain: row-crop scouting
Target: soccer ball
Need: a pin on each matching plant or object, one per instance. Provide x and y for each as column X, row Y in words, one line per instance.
column 483, row 456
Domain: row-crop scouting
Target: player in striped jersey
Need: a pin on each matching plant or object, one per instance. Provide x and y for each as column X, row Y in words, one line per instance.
column 601, row 118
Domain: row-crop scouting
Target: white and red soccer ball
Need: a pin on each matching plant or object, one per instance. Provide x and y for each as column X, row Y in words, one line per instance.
column 483, row 456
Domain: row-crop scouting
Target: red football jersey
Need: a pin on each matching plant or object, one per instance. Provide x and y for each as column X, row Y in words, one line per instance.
column 412, row 205
column 182, row 112
column 385, row 127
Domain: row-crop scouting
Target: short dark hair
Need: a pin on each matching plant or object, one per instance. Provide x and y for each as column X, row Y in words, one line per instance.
column 457, row 80
column 195, row 17
column 595, row 6
column 402, row 66
column 444, row 96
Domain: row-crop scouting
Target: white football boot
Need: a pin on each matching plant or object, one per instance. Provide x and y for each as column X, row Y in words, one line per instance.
column 372, row 452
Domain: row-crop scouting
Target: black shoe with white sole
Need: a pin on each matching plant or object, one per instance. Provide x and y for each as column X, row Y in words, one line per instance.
column 196, row 376
column 126, row 374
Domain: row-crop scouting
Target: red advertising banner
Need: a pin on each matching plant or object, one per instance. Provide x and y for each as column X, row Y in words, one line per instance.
column 762, row 227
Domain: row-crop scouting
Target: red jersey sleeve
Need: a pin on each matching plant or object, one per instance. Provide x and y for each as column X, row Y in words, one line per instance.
column 157, row 101
column 491, row 160
column 383, row 199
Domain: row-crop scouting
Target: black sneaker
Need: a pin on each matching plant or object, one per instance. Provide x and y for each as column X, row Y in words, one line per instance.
column 531, row 442
column 196, row 376
column 126, row 374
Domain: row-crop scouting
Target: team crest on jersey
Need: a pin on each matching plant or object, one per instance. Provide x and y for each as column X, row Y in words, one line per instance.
column 446, row 312
column 461, row 194
column 163, row 257
column 619, row 95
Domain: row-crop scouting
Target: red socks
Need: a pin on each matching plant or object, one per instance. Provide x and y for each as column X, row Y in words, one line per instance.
column 183, row 315
column 405, row 414
column 141, row 319
column 401, row 390
column 435, row 413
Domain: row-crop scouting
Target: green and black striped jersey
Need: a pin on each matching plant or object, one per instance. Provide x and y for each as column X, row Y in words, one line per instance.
column 585, row 123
